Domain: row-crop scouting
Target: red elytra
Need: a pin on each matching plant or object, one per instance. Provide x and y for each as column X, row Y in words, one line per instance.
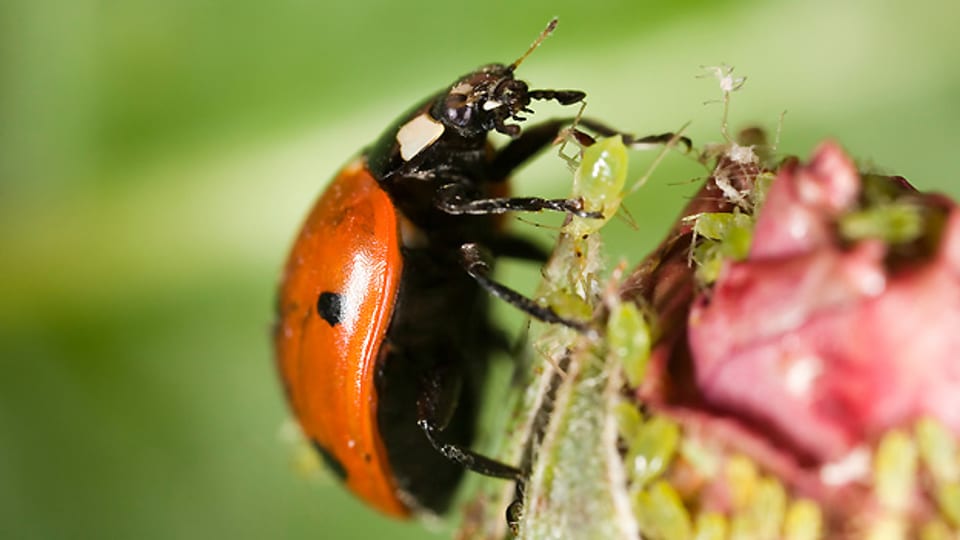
column 328, row 360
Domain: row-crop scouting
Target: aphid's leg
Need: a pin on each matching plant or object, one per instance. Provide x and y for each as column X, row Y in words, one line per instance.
column 478, row 269
column 433, row 411
column 452, row 199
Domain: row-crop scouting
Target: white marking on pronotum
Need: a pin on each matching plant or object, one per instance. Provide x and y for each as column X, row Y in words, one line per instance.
column 491, row 104
column 462, row 88
column 418, row 134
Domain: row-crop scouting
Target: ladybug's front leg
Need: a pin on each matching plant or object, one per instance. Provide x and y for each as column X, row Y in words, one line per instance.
column 453, row 199
column 537, row 137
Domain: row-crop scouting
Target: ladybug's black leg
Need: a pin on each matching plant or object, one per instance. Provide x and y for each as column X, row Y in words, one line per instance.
column 632, row 140
column 532, row 140
column 478, row 269
column 433, row 409
column 469, row 459
column 537, row 137
column 452, row 199
column 563, row 97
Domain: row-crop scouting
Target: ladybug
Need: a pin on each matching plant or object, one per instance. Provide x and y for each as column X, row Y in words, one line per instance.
column 383, row 335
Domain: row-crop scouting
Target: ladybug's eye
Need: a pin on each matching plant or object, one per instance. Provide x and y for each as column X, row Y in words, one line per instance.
column 457, row 110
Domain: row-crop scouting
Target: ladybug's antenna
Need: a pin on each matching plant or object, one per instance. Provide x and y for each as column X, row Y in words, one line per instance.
column 551, row 26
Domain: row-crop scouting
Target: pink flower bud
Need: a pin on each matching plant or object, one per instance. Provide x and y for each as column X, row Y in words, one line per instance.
column 825, row 342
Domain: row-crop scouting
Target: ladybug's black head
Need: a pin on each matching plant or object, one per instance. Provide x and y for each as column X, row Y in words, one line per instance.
column 484, row 100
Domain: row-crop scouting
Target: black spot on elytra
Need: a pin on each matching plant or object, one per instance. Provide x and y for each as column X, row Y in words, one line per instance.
column 332, row 462
column 330, row 307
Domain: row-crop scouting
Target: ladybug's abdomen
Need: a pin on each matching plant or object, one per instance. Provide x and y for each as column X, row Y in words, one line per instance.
column 336, row 301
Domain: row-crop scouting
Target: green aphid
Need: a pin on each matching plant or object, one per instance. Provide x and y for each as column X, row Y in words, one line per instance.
column 761, row 185
column 661, row 513
column 629, row 341
column 726, row 236
column 938, row 449
column 628, row 419
column 652, row 449
column 709, row 258
column 711, row 526
column 569, row 305
column 803, row 521
column 895, row 471
column 894, row 223
column 599, row 182
column 721, row 225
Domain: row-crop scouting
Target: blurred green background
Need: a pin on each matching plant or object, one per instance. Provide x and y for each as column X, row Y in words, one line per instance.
column 156, row 158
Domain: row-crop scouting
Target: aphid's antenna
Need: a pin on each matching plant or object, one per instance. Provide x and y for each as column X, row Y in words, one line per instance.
column 776, row 139
column 551, row 26
column 728, row 85
column 656, row 161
